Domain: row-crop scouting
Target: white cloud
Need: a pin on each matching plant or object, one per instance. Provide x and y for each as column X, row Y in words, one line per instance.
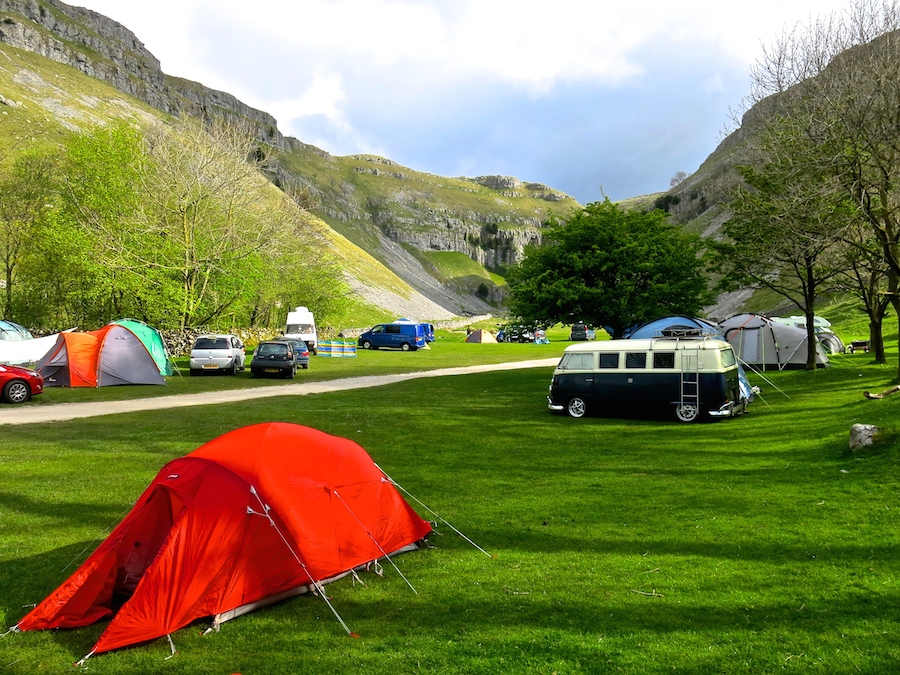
column 478, row 84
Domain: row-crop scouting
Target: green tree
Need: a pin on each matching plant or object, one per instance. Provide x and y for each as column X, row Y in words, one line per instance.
column 28, row 191
column 838, row 80
column 611, row 268
column 786, row 227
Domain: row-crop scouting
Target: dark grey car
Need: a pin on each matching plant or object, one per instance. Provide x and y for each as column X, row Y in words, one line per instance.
column 273, row 359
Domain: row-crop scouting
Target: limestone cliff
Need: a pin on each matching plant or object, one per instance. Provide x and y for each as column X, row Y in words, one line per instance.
column 400, row 216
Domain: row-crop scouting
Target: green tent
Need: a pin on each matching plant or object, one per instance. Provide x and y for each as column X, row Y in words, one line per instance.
column 153, row 341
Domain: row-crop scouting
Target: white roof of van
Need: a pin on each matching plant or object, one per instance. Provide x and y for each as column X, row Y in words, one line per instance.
column 652, row 344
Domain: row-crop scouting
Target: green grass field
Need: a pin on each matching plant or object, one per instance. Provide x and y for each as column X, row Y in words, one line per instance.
column 757, row 544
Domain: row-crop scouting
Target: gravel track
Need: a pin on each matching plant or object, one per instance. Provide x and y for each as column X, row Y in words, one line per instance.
column 34, row 414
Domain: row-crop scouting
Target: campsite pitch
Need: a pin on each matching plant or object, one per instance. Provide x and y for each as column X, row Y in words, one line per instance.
column 757, row 544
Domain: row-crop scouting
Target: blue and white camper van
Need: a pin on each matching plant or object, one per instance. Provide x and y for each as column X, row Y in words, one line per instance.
column 693, row 376
column 405, row 336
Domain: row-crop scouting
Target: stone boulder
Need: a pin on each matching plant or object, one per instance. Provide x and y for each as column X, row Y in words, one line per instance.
column 862, row 435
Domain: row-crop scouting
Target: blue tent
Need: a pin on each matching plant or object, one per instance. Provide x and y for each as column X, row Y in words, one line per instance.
column 674, row 326
column 14, row 332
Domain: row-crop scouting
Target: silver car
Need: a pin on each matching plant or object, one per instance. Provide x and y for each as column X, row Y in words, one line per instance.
column 217, row 354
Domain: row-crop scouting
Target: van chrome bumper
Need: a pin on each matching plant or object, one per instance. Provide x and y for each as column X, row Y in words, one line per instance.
column 552, row 406
column 727, row 410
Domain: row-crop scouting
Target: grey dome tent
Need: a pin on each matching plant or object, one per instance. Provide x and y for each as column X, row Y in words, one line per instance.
column 767, row 345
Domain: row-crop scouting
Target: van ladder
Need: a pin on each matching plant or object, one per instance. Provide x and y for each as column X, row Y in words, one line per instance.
column 690, row 384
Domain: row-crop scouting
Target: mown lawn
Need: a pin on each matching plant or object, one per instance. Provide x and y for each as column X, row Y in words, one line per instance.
column 757, row 544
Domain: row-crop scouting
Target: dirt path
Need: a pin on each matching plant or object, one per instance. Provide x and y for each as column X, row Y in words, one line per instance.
column 29, row 414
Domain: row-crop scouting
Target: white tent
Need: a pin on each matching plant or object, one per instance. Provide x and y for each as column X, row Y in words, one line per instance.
column 765, row 344
column 19, row 352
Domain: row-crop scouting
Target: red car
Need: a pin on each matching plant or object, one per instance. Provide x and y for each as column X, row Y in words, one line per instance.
column 17, row 385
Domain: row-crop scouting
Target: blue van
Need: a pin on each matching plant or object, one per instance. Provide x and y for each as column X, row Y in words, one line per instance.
column 405, row 336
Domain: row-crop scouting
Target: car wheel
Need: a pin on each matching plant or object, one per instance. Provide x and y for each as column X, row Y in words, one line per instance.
column 405, row 346
column 195, row 372
column 232, row 370
column 305, row 366
column 687, row 412
column 366, row 344
column 16, row 391
column 576, row 407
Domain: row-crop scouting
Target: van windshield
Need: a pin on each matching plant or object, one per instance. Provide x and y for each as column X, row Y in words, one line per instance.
column 576, row 362
column 728, row 358
column 299, row 328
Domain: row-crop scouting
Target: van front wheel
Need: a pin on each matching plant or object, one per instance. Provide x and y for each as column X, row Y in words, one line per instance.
column 366, row 344
column 687, row 412
column 576, row 407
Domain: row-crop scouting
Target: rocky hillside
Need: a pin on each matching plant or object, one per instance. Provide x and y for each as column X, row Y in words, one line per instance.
column 412, row 222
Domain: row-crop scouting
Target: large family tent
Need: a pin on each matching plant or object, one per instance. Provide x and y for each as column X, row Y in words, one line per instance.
column 153, row 341
column 765, row 344
column 255, row 516
column 99, row 358
column 686, row 326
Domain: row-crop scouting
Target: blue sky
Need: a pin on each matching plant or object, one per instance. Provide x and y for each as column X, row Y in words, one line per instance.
column 587, row 96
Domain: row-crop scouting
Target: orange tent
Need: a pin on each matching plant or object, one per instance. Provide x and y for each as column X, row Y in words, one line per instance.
column 99, row 358
column 255, row 516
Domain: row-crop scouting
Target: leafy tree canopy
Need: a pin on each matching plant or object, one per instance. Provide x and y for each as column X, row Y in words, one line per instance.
column 609, row 267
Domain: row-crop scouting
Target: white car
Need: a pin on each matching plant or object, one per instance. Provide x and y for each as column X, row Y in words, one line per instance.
column 217, row 354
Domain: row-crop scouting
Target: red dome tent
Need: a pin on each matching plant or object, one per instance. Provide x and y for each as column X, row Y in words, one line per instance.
column 254, row 516
column 99, row 358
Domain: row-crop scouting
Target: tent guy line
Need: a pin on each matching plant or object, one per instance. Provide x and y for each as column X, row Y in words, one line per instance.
column 34, row 414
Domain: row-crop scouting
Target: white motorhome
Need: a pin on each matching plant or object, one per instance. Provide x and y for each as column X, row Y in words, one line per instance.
column 301, row 325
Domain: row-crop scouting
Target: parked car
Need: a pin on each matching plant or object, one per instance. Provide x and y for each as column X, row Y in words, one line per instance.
column 581, row 331
column 218, row 353
column 301, row 351
column 273, row 358
column 514, row 332
column 17, row 385
column 405, row 336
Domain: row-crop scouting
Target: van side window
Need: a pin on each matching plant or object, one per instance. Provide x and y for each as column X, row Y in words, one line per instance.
column 728, row 359
column 635, row 360
column 392, row 328
column 609, row 360
column 663, row 359
column 378, row 329
column 577, row 362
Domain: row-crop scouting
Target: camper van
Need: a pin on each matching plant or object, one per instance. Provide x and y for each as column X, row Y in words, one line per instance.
column 405, row 336
column 301, row 325
column 693, row 376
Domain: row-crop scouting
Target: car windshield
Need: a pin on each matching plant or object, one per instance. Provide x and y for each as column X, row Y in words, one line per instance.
column 211, row 343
